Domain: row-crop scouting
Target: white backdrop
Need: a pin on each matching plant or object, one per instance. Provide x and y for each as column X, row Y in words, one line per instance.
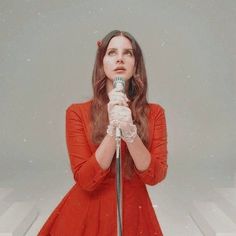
column 47, row 52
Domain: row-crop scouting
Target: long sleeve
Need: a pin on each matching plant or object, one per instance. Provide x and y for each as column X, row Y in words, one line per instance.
column 157, row 169
column 86, row 170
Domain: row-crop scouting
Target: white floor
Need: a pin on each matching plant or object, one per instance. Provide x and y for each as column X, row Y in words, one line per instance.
column 171, row 198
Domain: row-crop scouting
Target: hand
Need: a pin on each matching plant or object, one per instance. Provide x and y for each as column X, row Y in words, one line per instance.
column 116, row 97
column 120, row 116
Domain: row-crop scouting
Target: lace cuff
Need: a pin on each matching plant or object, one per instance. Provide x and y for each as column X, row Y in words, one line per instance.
column 130, row 134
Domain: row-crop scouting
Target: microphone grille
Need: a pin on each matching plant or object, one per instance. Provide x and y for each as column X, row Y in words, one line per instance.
column 119, row 82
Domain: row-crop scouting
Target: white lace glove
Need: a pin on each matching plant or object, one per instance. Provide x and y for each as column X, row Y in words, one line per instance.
column 120, row 116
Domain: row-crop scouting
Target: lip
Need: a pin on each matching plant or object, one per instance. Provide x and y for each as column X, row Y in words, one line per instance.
column 119, row 68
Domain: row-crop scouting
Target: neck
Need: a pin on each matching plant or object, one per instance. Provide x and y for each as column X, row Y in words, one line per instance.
column 109, row 85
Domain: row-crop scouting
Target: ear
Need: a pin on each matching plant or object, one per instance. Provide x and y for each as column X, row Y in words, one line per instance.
column 99, row 43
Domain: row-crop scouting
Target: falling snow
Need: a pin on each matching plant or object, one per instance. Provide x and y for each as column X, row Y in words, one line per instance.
column 163, row 43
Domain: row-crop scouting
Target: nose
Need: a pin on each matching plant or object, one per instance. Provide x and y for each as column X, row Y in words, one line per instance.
column 119, row 58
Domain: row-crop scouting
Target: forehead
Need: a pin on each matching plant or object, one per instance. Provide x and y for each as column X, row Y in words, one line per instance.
column 119, row 42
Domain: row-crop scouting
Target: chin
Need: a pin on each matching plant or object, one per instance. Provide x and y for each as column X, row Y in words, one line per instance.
column 125, row 77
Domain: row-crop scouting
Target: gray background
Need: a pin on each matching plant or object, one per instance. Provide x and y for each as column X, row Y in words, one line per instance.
column 47, row 52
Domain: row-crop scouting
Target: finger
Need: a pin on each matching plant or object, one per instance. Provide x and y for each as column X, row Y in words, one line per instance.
column 119, row 101
column 126, row 98
column 117, row 95
column 118, row 89
column 124, row 109
column 110, row 105
column 121, row 113
column 116, row 92
column 123, row 125
column 114, row 106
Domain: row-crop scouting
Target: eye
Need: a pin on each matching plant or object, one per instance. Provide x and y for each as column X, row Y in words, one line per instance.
column 129, row 53
column 111, row 53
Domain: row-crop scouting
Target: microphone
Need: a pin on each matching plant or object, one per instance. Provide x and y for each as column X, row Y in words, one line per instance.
column 119, row 83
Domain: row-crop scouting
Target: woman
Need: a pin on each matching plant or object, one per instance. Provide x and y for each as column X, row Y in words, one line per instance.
column 89, row 208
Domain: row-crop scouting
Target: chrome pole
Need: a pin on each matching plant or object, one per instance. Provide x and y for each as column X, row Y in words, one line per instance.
column 119, row 182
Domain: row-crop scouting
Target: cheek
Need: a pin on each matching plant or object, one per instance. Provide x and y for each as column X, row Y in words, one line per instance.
column 107, row 67
column 132, row 64
column 107, row 63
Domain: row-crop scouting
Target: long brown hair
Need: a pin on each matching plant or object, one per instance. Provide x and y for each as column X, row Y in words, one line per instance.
column 137, row 92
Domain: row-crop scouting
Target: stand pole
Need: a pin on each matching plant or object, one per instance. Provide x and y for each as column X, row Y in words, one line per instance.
column 119, row 182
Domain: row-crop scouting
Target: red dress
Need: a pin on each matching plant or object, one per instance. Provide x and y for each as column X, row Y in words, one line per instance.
column 89, row 207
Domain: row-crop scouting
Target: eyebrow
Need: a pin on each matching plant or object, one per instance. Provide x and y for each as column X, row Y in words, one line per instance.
column 124, row 49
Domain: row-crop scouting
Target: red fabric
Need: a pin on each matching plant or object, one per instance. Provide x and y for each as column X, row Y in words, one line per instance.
column 89, row 208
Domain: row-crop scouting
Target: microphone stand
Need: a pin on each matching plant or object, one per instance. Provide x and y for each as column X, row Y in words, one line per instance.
column 119, row 182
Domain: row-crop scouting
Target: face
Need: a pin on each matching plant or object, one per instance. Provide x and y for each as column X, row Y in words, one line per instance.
column 119, row 59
